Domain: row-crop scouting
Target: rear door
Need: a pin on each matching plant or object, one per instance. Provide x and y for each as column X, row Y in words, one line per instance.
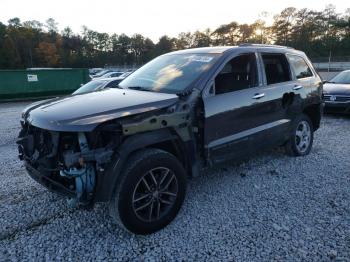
column 301, row 71
column 278, row 90
column 307, row 83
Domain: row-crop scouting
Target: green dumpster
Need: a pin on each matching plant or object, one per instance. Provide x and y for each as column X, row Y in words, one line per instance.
column 28, row 84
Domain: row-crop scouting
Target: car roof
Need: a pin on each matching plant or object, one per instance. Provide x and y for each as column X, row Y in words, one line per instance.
column 225, row 49
column 204, row 50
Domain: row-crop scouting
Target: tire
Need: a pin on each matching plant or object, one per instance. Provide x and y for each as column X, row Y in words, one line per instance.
column 301, row 138
column 141, row 202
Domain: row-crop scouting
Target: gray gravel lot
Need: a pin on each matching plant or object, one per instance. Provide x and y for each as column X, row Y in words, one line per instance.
column 271, row 207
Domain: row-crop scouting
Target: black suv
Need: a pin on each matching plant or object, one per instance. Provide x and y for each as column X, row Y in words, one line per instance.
column 135, row 146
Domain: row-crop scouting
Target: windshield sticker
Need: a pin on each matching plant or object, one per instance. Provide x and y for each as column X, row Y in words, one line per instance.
column 202, row 59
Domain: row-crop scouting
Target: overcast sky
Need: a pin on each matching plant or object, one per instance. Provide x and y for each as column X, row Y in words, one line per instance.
column 151, row 18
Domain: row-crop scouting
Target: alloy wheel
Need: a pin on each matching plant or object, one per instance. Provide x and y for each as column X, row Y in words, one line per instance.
column 155, row 194
column 303, row 136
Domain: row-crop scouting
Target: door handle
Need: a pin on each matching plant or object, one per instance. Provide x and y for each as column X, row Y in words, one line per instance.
column 258, row 96
column 297, row 87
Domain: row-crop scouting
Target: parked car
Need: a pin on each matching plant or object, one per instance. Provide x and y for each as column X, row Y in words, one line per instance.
column 98, row 84
column 337, row 93
column 137, row 146
column 101, row 73
column 93, row 71
column 110, row 74
column 127, row 73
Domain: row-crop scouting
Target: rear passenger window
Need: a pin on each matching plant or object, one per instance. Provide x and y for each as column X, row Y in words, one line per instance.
column 239, row 73
column 276, row 68
column 300, row 67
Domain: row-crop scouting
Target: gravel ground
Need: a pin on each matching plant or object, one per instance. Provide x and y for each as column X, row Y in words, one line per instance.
column 271, row 207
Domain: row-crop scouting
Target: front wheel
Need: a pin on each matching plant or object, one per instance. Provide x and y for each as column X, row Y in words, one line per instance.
column 150, row 192
column 302, row 136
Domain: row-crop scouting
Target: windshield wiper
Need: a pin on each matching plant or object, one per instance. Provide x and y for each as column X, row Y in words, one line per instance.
column 139, row 88
column 119, row 87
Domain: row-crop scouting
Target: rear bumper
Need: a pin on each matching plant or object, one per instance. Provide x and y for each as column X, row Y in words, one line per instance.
column 49, row 183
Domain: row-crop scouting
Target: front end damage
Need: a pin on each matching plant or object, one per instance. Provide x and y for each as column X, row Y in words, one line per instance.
column 77, row 164
column 67, row 162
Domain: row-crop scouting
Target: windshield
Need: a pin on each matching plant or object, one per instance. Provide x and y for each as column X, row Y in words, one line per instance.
column 91, row 86
column 341, row 78
column 169, row 73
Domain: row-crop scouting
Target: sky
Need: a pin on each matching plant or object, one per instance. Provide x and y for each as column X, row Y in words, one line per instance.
column 151, row 18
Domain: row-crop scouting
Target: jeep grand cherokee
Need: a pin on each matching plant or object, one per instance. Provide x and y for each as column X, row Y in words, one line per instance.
column 135, row 146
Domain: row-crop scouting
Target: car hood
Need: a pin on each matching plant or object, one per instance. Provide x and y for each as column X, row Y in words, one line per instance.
column 83, row 112
column 336, row 89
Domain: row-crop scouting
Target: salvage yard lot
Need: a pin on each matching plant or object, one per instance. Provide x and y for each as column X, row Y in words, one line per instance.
column 271, row 207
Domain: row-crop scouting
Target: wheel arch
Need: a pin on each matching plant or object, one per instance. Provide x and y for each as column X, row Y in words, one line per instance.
column 163, row 139
column 314, row 112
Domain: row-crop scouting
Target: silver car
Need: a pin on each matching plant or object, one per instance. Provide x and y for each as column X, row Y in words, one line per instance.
column 337, row 93
column 98, row 84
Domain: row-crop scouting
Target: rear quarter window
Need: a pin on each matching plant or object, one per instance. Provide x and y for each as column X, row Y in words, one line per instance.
column 300, row 67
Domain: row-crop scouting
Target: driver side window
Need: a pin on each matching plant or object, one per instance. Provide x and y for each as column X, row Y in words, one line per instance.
column 238, row 74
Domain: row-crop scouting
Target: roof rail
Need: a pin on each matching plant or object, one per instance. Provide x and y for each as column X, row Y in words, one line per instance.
column 264, row 45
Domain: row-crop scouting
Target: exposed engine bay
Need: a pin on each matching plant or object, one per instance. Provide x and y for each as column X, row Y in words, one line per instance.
column 69, row 160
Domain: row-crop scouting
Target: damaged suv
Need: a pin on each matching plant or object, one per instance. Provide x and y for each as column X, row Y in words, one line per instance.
column 135, row 146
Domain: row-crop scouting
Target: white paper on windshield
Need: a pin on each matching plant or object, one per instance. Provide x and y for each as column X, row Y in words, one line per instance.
column 202, row 59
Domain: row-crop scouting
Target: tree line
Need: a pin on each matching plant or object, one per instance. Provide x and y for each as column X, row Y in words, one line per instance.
column 35, row 44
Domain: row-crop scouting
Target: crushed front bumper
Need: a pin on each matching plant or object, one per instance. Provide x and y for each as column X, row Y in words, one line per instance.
column 50, row 184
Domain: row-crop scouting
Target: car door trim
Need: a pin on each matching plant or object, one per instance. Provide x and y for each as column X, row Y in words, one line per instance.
column 246, row 133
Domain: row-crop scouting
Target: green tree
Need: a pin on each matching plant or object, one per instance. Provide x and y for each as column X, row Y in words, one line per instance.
column 227, row 34
column 283, row 25
column 164, row 45
column 33, row 44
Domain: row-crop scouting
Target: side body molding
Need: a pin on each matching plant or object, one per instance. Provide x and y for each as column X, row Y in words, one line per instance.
column 247, row 133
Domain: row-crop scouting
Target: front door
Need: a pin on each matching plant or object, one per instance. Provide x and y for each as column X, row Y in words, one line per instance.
column 231, row 109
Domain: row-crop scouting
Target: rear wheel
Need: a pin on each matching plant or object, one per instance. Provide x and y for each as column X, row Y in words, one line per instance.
column 301, row 139
column 150, row 192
